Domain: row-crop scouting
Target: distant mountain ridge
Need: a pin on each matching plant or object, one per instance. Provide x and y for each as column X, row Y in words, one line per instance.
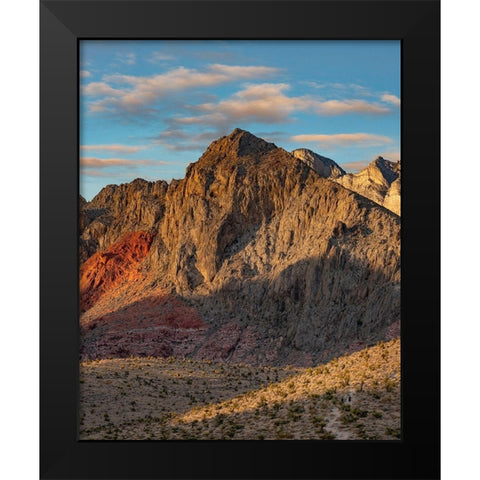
column 324, row 166
column 282, row 265
column 380, row 181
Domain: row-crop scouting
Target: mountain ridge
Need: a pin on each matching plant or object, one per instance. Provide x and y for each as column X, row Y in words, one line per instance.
column 324, row 166
column 379, row 181
column 281, row 264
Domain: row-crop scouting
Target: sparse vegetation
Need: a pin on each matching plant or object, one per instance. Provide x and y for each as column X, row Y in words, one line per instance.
column 178, row 398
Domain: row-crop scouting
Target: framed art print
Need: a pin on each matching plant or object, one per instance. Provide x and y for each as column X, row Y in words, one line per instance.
column 239, row 239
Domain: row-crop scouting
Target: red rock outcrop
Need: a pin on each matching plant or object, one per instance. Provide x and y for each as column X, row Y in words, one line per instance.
column 119, row 263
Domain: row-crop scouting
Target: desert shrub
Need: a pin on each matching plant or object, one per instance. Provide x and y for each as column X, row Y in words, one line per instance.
column 389, row 384
column 394, row 432
column 348, row 418
column 283, row 435
column 345, row 379
column 319, row 422
column 219, row 419
column 326, row 435
column 330, row 394
column 359, row 412
column 262, row 401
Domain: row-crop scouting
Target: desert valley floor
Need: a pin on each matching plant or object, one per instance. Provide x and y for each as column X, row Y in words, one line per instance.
column 352, row 397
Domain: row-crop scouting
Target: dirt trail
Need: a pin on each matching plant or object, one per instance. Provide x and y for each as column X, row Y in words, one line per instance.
column 335, row 426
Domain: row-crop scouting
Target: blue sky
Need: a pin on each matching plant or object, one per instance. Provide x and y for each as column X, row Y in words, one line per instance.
column 149, row 108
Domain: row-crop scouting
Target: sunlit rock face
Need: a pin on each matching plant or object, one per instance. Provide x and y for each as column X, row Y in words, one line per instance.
column 324, row 166
column 379, row 181
column 276, row 263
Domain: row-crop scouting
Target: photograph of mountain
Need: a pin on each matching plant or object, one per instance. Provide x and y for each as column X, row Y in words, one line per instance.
column 239, row 240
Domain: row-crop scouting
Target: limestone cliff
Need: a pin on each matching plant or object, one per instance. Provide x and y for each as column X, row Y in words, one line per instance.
column 379, row 181
column 324, row 166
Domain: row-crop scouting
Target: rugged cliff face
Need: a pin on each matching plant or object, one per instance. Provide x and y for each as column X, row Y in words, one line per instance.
column 379, row 181
column 282, row 265
column 238, row 185
column 119, row 209
column 324, row 166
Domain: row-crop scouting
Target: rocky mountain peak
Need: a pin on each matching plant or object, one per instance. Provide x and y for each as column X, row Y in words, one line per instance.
column 389, row 170
column 379, row 181
column 239, row 143
column 324, row 166
column 380, row 172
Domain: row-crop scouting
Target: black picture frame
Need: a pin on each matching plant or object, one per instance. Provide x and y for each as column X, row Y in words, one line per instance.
column 417, row 25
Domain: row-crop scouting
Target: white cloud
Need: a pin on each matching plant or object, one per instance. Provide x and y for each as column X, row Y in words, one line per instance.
column 339, row 107
column 127, row 58
column 113, row 148
column 89, row 172
column 160, row 57
column 388, row 98
column 269, row 103
column 96, row 89
column 240, row 71
column 96, row 162
column 339, row 88
column 261, row 103
column 176, row 139
column 343, row 139
column 85, row 74
column 141, row 92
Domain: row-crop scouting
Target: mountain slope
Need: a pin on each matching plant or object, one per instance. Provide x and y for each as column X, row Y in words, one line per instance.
column 379, row 181
column 324, row 166
column 283, row 266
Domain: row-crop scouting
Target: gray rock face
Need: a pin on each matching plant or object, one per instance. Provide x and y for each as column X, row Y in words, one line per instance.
column 119, row 209
column 392, row 199
column 259, row 243
column 324, row 166
column 380, row 181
